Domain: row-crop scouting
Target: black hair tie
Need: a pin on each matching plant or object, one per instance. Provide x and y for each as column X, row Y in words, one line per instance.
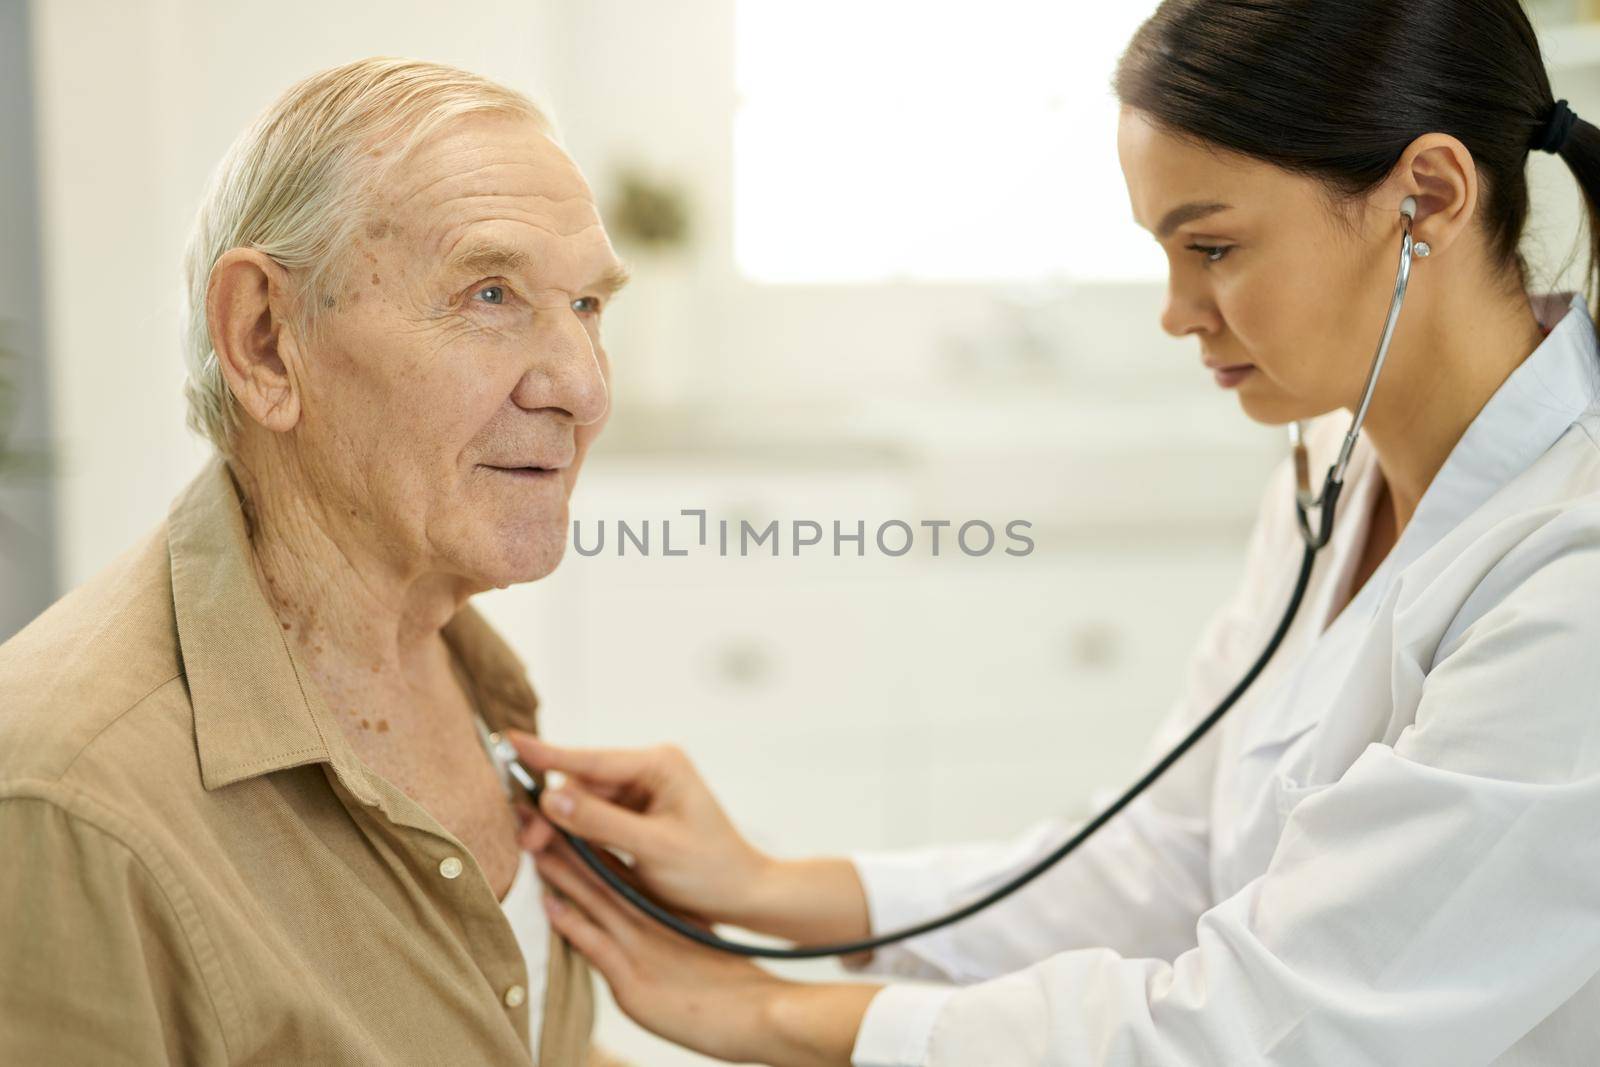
column 1553, row 137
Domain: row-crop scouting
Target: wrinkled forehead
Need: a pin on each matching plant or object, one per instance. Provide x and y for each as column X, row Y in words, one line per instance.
column 492, row 173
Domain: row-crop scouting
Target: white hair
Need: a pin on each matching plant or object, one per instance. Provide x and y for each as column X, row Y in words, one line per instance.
column 299, row 182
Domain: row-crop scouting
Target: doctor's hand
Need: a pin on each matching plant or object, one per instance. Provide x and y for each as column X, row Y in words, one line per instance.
column 716, row 1004
column 652, row 804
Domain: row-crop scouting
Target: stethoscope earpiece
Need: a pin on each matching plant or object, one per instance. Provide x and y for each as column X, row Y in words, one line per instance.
column 1408, row 210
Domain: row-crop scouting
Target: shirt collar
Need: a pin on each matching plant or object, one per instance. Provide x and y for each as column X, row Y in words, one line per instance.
column 1533, row 407
column 256, row 709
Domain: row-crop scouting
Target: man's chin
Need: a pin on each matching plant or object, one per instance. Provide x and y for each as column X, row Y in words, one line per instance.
column 527, row 562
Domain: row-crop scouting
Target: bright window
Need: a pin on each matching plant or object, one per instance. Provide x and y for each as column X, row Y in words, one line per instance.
column 880, row 140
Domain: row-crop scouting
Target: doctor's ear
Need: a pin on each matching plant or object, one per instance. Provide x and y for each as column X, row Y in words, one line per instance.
column 1438, row 173
column 247, row 312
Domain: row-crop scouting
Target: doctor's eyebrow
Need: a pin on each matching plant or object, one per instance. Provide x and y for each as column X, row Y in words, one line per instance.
column 1187, row 213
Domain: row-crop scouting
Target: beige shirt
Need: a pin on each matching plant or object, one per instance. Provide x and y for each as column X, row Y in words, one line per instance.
column 196, row 867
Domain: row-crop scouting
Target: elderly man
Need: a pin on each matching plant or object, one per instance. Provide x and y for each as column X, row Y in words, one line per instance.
column 246, row 805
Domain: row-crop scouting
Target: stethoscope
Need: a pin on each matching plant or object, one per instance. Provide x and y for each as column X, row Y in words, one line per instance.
column 1315, row 536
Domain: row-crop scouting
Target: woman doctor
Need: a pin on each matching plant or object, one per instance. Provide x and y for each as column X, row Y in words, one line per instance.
column 1389, row 851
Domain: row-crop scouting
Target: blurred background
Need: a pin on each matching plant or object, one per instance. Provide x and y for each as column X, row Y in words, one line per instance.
column 884, row 268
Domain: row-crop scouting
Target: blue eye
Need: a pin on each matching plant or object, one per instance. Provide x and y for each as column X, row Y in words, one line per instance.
column 587, row 305
column 500, row 289
column 1213, row 253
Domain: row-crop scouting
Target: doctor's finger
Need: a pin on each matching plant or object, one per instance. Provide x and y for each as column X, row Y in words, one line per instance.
column 610, row 766
column 535, row 833
column 598, row 947
column 580, row 812
column 585, row 892
column 562, row 850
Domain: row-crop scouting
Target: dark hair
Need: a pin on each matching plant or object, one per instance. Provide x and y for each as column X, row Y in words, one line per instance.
column 1338, row 89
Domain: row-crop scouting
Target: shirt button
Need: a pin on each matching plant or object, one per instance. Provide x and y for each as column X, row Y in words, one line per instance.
column 449, row 866
column 515, row 996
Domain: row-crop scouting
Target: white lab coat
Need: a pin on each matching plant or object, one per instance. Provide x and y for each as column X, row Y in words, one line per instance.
column 1387, row 853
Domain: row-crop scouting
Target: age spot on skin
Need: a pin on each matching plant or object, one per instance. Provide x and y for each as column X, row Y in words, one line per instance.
column 374, row 279
column 383, row 726
column 365, row 725
column 378, row 229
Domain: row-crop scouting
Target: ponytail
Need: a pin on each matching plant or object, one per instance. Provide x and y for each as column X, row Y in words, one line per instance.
column 1578, row 142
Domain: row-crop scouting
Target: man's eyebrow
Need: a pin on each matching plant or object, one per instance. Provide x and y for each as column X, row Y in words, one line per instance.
column 487, row 259
column 613, row 279
column 1187, row 213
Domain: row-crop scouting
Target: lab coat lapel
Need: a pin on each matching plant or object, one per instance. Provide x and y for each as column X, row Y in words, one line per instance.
column 1338, row 669
column 1481, row 484
column 1315, row 646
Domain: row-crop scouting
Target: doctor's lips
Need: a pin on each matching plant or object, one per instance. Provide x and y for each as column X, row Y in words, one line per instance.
column 1228, row 375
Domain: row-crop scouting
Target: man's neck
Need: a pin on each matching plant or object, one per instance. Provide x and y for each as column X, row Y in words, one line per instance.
column 362, row 623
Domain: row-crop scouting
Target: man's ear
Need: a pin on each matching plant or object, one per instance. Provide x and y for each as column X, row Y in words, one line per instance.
column 247, row 304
